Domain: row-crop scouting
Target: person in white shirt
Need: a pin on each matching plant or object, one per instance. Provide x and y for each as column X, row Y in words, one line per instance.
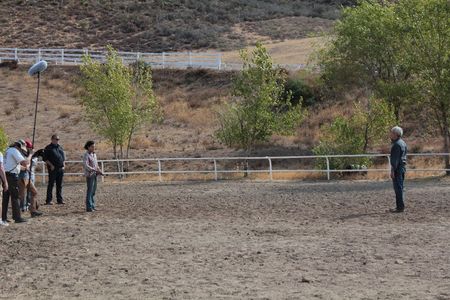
column 14, row 161
column 4, row 184
column 91, row 170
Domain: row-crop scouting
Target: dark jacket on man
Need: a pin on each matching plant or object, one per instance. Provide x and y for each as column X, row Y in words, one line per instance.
column 398, row 156
column 55, row 154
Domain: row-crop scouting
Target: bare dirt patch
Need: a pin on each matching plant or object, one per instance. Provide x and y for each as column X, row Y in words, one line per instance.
column 234, row 240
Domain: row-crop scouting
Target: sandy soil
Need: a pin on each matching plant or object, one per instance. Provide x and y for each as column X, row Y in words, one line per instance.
column 234, row 240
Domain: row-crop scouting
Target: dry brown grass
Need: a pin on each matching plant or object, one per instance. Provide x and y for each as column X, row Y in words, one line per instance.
column 288, row 52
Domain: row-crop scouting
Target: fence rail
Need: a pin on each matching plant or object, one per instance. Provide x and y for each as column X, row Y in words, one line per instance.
column 210, row 165
column 173, row 60
column 169, row 60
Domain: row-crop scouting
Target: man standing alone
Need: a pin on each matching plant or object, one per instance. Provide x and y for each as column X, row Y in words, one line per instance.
column 55, row 159
column 398, row 166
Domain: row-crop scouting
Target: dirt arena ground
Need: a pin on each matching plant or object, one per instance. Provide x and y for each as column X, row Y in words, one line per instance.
column 234, row 240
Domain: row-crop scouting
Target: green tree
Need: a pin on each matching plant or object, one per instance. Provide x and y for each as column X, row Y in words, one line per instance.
column 117, row 99
column 366, row 128
column 144, row 107
column 260, row 108
column 367, row 50
column 426, row 28
column 3, row 140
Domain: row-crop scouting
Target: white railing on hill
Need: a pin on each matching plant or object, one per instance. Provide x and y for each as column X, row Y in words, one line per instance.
column 210, row 165
column 173, row 60
column 170, row 60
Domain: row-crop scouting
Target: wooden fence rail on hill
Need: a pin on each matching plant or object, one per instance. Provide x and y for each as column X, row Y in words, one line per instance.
column 169, row 60
column 173, row 60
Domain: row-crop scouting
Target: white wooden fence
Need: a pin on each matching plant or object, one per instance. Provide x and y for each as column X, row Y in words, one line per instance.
column 170, row 60
column 210, row 165
column 173, row 60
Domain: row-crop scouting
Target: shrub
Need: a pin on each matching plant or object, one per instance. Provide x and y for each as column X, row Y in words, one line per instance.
column 3, row 140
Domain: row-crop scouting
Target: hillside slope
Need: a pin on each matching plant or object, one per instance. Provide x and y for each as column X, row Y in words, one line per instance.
column 160, row 25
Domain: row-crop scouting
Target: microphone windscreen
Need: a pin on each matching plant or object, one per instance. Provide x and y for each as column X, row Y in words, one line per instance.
column 38, row 68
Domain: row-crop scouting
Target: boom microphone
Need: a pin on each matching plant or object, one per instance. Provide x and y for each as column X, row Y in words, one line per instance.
column 37, row 68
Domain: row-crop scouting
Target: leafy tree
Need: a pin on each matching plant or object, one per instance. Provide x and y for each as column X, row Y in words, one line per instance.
column 367, row 127
column 426, row 28
column 3, row 140
column 261, row 107
column 117, row 99
column 144, row 107
column 367, row 50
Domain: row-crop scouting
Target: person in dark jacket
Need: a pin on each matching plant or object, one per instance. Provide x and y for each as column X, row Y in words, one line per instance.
column 55, row 159
column 399, row 150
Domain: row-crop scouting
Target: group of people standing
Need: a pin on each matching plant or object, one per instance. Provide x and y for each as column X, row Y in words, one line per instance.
column 17, row 174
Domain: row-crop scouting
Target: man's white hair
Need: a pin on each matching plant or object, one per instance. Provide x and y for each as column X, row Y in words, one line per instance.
column 397, row 130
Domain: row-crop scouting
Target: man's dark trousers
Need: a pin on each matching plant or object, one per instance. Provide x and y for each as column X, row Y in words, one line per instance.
column 55, row 176
column 13, row 193
column 399, row 178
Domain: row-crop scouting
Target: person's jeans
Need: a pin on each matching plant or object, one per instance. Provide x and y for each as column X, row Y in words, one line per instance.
column 25, row 187
column 55, row 176
column 398, row 181
column 90, row 193
column 13, row 193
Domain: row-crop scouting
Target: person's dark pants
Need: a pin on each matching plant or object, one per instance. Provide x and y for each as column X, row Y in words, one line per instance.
column 399, row 178
column 13, row 193
column 55, row 176
column 90, row 193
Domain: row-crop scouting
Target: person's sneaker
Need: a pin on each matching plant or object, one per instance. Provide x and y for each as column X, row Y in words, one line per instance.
column 61, row 202
column 48, row 203
column 21, row 220
column 3, row 223
column 396, row 211
column 36, row 214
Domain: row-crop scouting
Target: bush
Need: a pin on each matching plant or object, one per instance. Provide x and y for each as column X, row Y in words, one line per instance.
column 3, row 140
column 299, row 91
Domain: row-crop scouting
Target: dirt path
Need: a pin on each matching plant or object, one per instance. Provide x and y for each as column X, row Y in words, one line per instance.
column 234, row 240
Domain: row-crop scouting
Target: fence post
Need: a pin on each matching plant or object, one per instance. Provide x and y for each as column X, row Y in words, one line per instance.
column 215, row 170
column 15, row 54
column 62, row 56
column 190, row 59
column 328, row 168
column 219, row 61
column 270, row 168
column 159, row 170
column 39, row 55
column 164, row 60
column 103, row 171
column 389, row 164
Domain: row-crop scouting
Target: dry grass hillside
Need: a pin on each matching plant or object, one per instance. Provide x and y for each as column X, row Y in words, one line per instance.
column 190, row 100
column 160, row 25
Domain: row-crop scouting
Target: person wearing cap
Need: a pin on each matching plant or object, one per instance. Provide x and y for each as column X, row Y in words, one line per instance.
column 91, row 171
column 4, row 184
column 26, row 184
column 14, row 161
column 55, row 158
column 399, row 150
